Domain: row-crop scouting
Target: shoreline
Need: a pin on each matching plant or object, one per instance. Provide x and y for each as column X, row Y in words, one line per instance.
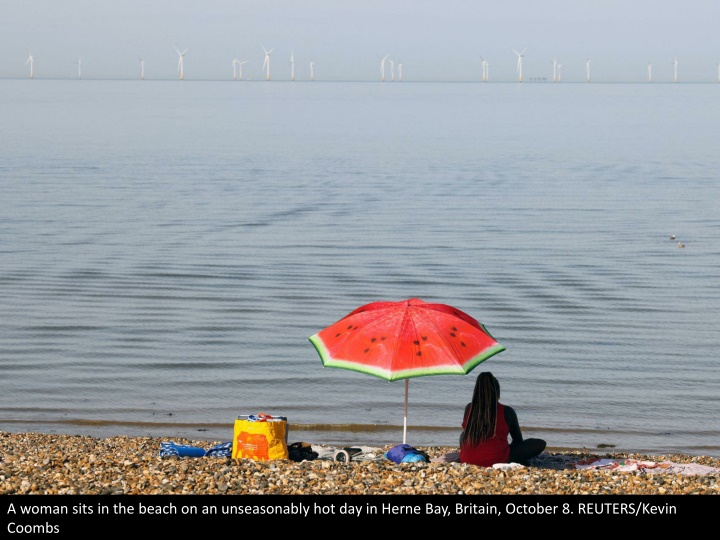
column 36, row 463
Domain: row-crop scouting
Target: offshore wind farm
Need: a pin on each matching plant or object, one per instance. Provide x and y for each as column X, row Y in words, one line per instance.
column 427, row 43
column 389, row 66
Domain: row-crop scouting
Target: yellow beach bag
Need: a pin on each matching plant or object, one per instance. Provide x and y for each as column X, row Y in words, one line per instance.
column 261, row 437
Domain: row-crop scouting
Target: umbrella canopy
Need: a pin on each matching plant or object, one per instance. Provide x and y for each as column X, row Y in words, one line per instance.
column 409, row 338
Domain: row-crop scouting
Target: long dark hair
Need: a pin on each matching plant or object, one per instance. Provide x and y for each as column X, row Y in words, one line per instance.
column 482, row 416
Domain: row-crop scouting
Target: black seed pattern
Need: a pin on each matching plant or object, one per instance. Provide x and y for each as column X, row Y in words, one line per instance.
column 337, row 335
column 424, row 338
column 373, row 340
column 382, row 338
column 349, row 327
column 454, row 329
column 419, row 353
column 452, row 334
column 367, row 350
column 462, row 343
column 416, row 342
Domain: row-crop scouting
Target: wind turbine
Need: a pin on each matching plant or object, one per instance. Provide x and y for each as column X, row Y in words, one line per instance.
column 649, row 71
column 240, row 65
column 312, row 71
column 382, row 66
column 675, row 76
column 392, row 69
column 235, row 62
column 587, row 70
column 554, row 63
column 292, row 65
column 266, row 63
column 399, row 71
column 79, row 63
column 30, row 61
column 181, row 63
column 484, row 65
column 559, row 72
column 519, row 64
column 142, row 68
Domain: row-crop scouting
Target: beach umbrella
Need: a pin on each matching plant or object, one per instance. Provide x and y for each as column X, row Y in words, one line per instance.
column 396, row 340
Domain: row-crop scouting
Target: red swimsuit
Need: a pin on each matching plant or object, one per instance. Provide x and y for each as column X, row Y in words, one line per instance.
column 494, row 450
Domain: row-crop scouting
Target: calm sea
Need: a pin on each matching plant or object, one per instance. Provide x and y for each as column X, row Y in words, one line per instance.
column 167, row 248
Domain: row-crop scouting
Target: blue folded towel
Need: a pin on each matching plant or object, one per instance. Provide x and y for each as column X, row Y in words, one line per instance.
column 168, row 448
column 183, row 450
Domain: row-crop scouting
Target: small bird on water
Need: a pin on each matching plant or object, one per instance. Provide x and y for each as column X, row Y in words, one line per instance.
column 681, row 245
column 672, row 237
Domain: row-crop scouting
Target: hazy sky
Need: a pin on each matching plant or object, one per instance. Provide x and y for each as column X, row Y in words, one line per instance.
column 433, row 40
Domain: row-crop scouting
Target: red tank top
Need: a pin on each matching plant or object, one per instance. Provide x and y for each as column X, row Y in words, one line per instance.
column 495, row 450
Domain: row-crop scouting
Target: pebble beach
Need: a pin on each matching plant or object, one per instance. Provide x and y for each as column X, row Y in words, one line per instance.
column 48, row 464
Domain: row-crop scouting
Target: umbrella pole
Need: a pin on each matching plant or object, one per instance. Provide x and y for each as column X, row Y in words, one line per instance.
column 407, row 388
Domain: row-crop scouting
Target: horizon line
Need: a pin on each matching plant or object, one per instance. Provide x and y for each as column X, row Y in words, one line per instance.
column 424, row 81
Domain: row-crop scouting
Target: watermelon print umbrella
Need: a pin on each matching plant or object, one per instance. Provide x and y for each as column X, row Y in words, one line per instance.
column 409, row 338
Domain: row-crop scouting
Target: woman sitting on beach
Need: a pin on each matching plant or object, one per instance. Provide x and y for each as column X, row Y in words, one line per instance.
column 486, row 426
